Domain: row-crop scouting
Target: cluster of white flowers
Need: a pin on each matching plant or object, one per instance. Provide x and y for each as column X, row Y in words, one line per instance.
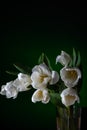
column 41, row 77
column 70, row 76
column 12, row 88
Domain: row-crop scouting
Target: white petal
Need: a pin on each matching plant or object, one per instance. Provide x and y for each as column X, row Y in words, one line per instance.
column 22, row 82
column 70, row 76
column 69, row 96
column 45, row 69
column 37, row 96
column 64, row 58
column 36, row 68
column 21, row 86
column 12, row 93
column 41, row 95
column 39, row 81
column 58, row 59
column 3, row 91
column 35, row 77
column 42, row 69
column 42, row 76
column 24, row 78
column 46, row 97
column 9, row 90
column 55, row 77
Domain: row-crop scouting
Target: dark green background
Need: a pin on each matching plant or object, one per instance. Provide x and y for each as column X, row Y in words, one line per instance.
column 25, row 32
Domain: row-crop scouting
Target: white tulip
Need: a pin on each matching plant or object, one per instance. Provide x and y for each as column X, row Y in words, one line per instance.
column 41, row 76
column 69, row 96
column 64, row 58
column 9, row 90
column 22, row 82
column 70, row 76
column 41, row 95
column 12, row 88
column 54, row 77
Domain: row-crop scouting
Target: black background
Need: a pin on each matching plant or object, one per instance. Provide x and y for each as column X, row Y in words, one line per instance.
column 27, row 30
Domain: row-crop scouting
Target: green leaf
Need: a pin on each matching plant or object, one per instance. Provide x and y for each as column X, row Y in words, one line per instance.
column 70, row 64
column 22, row 68
column 41, row 59
column 47, row 62
column 12, row 73
column 78, row 59
column 45, row 59
column 56, row 99
column 74, row 57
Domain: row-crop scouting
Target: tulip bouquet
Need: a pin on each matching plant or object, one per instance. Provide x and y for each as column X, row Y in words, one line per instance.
column 50, row 85
column 61, row 88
